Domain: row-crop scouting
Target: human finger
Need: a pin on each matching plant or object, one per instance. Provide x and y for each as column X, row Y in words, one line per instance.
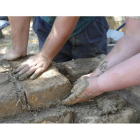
column 22, row 71
column 77, row 94
column 70, row 99
column 27, row 74
column 21, row 66
column 36, row 73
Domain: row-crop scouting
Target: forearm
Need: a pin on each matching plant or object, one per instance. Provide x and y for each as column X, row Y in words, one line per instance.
column 61, row 31
column 125, row 48
column 20, row 31
column 123, row 75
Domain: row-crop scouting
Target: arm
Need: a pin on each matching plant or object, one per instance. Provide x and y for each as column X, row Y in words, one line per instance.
column 120, row 69
column 20, row 34
column 123, row 75
column 125, row 48
column 61, row 30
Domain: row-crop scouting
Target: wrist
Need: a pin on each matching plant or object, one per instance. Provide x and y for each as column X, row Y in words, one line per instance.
column 45, row 56
column 98, row 85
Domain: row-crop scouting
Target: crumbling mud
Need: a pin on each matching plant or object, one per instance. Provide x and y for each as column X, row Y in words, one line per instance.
column 87, row 112
column 30, row 94
column 12, row 97
column 110, row 103
column 19, row 91
column 41, row 102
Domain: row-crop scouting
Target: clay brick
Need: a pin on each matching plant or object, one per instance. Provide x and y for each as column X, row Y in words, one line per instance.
column 132, row 96
column 3, row 77
column 50, row 88
column 127, row 115
column 88, row 112
column 17, row 96
column 8, row 100
column 75, row 68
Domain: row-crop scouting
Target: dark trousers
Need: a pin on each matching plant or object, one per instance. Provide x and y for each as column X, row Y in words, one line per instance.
column 91, row 42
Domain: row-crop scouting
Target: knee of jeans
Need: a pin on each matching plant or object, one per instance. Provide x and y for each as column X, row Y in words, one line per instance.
column 98, row 29
column 94, row 33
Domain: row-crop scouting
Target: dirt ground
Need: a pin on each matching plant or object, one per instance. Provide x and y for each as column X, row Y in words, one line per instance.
column 6, row 43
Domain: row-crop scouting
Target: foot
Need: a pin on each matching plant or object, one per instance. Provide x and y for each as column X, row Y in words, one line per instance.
column 84, row 89
column 13, row 55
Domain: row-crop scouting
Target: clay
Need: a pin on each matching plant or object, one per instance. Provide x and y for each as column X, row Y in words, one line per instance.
column 5, row 63
column 87, row 112
column 110, row 103
column 14, row 100
column 19, row 91
column 80, row 85
column 4, row 66
column 74, row 69
column 103, row 66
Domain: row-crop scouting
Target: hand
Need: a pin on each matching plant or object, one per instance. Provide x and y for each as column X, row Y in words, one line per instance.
column 84, row 89
column 34, row 66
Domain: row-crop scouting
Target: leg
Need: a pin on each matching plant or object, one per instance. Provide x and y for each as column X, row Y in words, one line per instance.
column 92, row 41
column 20, row 33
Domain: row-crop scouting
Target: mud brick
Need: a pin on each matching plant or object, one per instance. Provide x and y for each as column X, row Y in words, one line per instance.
column 8, row 100
column 127, row 115
column 88, row 112
column 75, row 68
column 50, row 88
column 17, row 96
column 132, row 96
column 3, row 78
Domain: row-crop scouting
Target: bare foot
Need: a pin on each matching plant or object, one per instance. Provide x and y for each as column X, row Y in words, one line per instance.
column 13, row 55
column 85, row 89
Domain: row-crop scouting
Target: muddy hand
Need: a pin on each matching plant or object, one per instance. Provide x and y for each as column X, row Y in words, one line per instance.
column 77, row 92
column 34, row 66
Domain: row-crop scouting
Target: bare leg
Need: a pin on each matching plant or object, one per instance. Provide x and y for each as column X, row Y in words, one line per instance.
column 20, row 34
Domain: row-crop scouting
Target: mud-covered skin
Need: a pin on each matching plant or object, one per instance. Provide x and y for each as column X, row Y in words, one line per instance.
column 80, row 85
column 103, row 66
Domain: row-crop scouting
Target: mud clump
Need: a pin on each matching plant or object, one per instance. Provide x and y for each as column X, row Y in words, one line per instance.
column 110, row 103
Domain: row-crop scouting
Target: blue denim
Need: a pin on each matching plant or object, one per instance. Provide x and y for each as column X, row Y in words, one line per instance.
column 91, row 42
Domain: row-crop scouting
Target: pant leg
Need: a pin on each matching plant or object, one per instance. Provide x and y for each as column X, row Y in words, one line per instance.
column 42, row 30
column 92, row 41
